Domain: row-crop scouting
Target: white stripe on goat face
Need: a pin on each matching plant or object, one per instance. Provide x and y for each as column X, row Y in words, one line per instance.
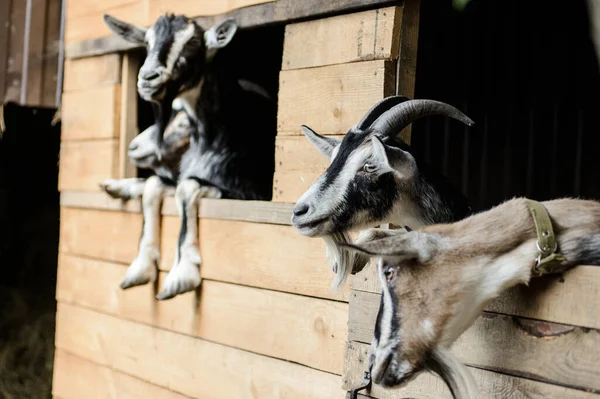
column 180, row 39
column 387, row 335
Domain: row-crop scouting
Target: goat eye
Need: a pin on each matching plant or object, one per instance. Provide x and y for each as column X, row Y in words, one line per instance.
column 388, row 273
column 369, row 168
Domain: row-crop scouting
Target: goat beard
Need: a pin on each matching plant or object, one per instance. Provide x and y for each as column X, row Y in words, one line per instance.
column 342, row 261
column 456, row 376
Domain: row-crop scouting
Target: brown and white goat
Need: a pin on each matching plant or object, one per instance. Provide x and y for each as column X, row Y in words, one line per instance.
column 436, row 280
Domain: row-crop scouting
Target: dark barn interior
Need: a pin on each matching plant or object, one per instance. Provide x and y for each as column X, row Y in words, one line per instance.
column 527, row 74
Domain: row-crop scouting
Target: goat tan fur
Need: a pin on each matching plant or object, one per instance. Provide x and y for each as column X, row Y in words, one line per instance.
column 437, row 280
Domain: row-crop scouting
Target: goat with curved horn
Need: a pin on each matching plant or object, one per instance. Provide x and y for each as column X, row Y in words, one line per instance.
column 374, row 178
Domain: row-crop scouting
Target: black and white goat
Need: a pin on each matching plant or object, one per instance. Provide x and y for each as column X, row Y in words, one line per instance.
column 231, row 149
column 373, row 179
column 142, row 152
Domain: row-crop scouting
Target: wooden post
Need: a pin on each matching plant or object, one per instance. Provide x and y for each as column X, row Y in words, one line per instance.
column 128, row 125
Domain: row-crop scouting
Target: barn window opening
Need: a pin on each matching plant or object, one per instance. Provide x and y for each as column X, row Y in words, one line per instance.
column 254, row 56
column 527, row 74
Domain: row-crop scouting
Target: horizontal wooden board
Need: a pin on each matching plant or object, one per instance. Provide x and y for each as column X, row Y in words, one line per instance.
column 430, row 386
column 92, row 72
column 574, row 301
column 274, row 257
column 77, row 378
column 196, row 8
column 84, row 164
column 258, row 255
column 288, row 187
column 304, row 330
column 296, row 153
column 91, row 114
column 555, row 353
column 77, row 8
column 333, row 98
column 280, row 11
column 362, row 36
column 194, row 367
column 249, row 211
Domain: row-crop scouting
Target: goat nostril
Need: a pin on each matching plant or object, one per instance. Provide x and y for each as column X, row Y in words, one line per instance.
column 132, row 147
column 300, row 209
column 151, row 75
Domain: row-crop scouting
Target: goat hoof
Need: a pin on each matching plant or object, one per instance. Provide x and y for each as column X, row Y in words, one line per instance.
column 143, row 269
column 184, row 277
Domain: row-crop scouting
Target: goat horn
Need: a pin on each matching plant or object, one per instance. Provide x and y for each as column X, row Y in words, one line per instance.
column 397, row 118
column 378, row 109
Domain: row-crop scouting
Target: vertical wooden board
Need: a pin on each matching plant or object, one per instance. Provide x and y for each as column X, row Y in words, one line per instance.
column 128, row 113
column 427, row 385
column 35, row 61
column 97, row 234
column 77, row 378
column 16, row 42
column 173, row 360
column 296, row 153
column 304, row 330
column 92, row 114
column 91, row 72
column 333, row 98
column 5, row 14
column 266, row 256
column 289, row 186
column 196, row 8
column 84, row 164
column 91, row 26
column 51, row 51
column 362, row 36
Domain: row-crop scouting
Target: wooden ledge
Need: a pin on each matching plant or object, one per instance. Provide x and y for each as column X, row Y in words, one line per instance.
column 247, row 211
column 280, row 11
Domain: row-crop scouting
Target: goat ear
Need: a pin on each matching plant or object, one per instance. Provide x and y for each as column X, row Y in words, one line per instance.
column 325, row 145
column 391, row 158
column 220, row 35
column 412, row 245
column 379, row 156
column 127, row 31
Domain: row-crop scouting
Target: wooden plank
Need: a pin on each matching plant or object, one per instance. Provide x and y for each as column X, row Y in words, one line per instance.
column 296, row 264
column 249, row 211
column 361, row 36
column 296, row 153
column 430, row 386
column 128, row 124
column 333, row 98
column 84, row 164
column 195, row 8
column 289, row 186
column 304, row 330
column 15, row 47
column 111, row 236
column 92, row 26
column 76, row 378
column 87, row 73
column 194, row 367
column 33, row 82
column 574, row 301
column 4, row 39
column 267, row 256
column 280, row 11
column 78, row 8
column 406, row 67
column 556, row 353
column 91, row 114
column 51, row 57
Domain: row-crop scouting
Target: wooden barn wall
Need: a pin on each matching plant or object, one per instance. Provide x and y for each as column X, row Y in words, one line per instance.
column 264, row 323
column 29, row 51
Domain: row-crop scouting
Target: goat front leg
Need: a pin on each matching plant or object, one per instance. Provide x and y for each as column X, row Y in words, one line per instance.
column 124, row 189
column 185, row 274
column 143, row 269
